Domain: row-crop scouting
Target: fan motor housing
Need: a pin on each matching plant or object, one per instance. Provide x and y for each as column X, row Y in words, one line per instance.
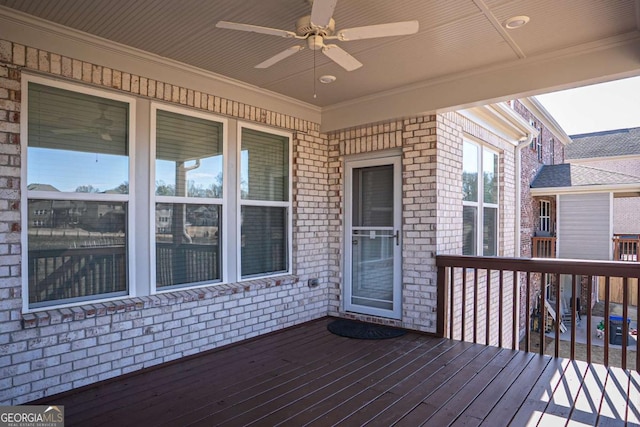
column 304, row 28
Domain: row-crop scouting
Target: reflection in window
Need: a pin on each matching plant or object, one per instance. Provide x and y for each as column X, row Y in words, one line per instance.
column 76, row 142
column 188, row 188
column 188, row 156
column 187, row 243
column 76, row 247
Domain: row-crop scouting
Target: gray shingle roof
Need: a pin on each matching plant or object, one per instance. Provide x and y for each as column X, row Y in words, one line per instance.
column 569, row 175
column 620, row 142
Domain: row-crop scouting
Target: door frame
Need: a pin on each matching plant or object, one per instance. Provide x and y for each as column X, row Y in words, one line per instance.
column 380, row 159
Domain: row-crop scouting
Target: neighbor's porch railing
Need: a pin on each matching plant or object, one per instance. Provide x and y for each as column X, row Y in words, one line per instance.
column 625, row 247
column 543, row 247
column 480, row 306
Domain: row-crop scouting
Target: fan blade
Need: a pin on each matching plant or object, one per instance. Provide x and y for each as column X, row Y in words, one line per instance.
column 279, row 57
column 341, row 57
column 322, row 11
column 382, row 30
column 255, row 29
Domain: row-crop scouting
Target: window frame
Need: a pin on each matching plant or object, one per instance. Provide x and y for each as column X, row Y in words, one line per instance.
column 545, row 215
column 154, row 199
column 288, row 205
column 481, row 204
column 27, row 195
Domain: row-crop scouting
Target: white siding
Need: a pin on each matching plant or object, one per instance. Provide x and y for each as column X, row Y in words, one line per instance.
column 584, row 226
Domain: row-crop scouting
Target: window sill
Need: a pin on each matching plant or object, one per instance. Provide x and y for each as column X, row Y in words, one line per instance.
column 54, row 316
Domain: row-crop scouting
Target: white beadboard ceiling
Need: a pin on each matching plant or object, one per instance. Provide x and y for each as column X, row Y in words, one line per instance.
column 457, row 39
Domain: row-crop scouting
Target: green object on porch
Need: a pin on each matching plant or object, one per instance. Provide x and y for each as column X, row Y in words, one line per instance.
column 361, row 330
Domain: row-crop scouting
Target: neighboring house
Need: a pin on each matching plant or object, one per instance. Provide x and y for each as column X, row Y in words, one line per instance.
column 598, row 194
column 586, row 199
column 615, row 151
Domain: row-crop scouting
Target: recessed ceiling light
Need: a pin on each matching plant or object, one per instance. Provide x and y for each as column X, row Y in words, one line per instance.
column 327, row 79
column 515, row 22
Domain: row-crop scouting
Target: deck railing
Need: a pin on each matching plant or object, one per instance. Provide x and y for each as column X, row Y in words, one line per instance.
column 625, row 247
column 477, row 300
column 543, row 247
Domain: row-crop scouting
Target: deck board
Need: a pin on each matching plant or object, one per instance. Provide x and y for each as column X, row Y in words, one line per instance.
column 307, row 376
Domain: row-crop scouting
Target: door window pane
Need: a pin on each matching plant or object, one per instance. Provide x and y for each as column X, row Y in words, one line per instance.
column 76, row 249
column 188, row 242
column 264, row 172
column 373, row 196
column 76, row 142
column 264, row 240
column 188, row 156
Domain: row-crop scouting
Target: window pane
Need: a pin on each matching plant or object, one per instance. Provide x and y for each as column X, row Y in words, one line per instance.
column 76, row 142
column 188, row 243
column 188, row 156
column 373, row 196
column 470, row 172
column 264, row 240
column 490, row 232
column 469, row 230
column 490, row 171
column 76, row 249
column 264, row 166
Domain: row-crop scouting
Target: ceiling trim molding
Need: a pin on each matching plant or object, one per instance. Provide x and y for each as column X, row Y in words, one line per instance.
column 501, row 120
column 615, row 57
column 546, row 118
column 34, row 32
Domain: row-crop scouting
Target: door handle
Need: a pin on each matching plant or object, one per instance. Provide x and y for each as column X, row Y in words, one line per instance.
column 397, row 237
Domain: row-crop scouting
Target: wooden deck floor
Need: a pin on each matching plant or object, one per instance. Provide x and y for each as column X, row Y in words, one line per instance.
column 308, row 376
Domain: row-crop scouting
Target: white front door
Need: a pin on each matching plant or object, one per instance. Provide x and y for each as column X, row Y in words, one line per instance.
column 372, row 237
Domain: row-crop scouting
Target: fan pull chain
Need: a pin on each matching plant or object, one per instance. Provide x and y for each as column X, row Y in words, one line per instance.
column 314, row 74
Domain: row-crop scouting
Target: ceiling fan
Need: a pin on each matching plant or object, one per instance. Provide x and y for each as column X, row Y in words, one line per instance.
column 98, row 126
column 320, row 27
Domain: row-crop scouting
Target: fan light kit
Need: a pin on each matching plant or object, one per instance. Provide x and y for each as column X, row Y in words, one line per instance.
column 327, row 79
column 516, row 22
column 319, row 27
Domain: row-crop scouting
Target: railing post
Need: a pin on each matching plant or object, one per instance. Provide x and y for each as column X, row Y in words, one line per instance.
column 441, row 301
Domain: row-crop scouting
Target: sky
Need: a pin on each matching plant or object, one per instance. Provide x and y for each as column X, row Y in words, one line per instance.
column 605, row 106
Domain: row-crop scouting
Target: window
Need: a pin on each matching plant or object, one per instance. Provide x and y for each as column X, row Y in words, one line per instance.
column 264, row 203
column 78, row 175
column 534, row 141
column 545, row 215
column 188, row 199
column 552, row 151
column 195, row 224
column 539, row 147
column 480, row 200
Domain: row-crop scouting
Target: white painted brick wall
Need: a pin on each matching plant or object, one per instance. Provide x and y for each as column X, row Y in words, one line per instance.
column 52, row 351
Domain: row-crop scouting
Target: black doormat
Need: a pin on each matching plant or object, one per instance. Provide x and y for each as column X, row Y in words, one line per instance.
column 364, row 331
